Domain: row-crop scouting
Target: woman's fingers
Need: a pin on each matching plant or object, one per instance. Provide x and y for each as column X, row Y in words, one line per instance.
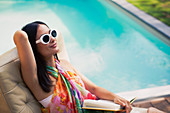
column 124, row 103
column 128, row 106
column 118, row 101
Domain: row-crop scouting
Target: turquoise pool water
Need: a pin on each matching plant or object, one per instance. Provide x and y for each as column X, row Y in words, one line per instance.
column 103, row 43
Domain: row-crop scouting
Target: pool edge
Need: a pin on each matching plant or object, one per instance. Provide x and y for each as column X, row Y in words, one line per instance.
column 147, row 93
column 144, row 17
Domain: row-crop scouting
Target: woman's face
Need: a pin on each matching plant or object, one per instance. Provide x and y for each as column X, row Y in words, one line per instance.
column 46, row 50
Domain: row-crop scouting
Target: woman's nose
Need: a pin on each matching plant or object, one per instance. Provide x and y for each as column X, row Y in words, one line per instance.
column 52, row 39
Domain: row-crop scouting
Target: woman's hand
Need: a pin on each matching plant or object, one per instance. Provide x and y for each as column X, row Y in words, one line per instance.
column 124, row 103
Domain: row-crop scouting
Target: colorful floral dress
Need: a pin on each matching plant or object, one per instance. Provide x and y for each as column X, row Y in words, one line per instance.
column 69, row 92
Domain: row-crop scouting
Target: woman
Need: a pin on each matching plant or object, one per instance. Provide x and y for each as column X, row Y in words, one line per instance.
column 55, row 83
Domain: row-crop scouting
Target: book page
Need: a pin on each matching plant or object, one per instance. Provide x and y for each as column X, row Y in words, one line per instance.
column 103, row 104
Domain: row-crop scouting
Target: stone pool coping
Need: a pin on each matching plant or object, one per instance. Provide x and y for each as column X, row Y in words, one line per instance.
column 144, row 17
column 147, row 93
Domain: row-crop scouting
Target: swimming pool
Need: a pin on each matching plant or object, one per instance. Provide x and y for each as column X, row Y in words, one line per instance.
column 106, row 45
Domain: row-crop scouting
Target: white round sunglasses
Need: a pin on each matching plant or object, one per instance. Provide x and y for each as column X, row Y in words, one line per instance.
column 45, row 38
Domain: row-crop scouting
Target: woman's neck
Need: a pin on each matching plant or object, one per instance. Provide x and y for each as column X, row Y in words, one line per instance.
column 50, row 61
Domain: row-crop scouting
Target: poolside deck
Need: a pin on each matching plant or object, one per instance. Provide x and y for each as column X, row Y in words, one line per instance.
column 158, row 97
column 161, row 103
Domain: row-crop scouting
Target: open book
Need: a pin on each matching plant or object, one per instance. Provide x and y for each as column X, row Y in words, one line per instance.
column 103, row 105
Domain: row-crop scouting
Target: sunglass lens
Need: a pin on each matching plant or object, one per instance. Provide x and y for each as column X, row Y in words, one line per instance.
column 54, row 33
column 46, row 38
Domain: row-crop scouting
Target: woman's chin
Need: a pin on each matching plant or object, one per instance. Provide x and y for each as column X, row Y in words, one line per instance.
column 55, row 50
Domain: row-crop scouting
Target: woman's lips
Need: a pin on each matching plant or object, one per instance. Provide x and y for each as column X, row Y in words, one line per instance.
column 54, row 45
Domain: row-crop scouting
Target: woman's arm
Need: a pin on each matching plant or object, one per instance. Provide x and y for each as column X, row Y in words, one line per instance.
column 28, row 63
column 103, row 93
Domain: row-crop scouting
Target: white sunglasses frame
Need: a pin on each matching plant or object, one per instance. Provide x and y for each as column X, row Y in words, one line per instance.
column 41, row 37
